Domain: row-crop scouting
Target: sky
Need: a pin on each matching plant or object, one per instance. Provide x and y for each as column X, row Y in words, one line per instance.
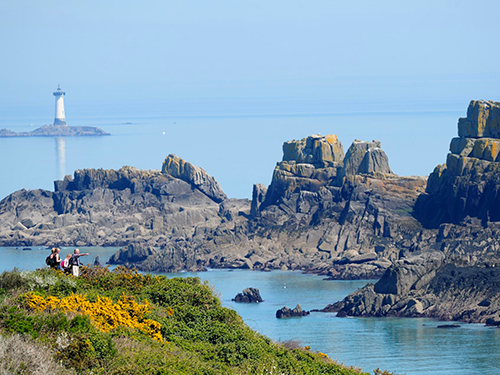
column 189, row 51
column 169, row 58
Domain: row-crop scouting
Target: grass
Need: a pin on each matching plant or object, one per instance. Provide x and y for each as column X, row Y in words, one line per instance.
column 123, row 322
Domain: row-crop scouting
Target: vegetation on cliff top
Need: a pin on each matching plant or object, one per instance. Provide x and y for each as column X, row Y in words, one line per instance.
column 117, row 322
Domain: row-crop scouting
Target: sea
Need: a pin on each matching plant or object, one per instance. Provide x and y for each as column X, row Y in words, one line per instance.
column 240, row 148
column 400, row 345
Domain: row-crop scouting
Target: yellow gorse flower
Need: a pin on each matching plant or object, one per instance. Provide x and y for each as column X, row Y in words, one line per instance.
column 103, row 313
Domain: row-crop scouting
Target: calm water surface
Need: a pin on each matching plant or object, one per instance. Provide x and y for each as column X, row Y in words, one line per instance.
column 238, row 150
column 406, row 346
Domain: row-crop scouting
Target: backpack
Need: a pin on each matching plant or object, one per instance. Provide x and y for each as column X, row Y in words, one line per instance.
column 49, row 261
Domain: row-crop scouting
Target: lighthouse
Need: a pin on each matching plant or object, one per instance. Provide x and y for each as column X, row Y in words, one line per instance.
column 60, row 118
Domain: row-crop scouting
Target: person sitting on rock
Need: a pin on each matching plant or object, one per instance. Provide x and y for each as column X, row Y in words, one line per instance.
column 75, row 262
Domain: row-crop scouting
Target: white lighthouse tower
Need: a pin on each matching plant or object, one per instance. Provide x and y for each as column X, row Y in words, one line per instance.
column 60, row 118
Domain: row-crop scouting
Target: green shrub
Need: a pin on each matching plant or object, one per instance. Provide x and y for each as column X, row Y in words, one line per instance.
column 200, row 336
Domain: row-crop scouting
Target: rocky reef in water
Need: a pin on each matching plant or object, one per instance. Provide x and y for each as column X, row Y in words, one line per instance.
column 56, row 131
column 455, row 274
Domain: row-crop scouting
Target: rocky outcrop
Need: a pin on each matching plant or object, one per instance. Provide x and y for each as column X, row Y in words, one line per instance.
column 297, row 312
column 341, row 223
column 56, row 131
column 307, row 165
column 455, row 274
column 469, row 294
column 249, row 295
column 468, row 185
column 313, row 217
column 201, row 180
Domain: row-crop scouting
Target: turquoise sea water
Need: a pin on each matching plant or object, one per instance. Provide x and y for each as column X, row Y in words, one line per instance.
column 405, row 346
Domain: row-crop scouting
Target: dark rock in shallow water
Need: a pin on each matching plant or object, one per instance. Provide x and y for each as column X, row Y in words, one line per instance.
column 446, row 326
column 285, row 312
column 493, row 322
column 249, row 295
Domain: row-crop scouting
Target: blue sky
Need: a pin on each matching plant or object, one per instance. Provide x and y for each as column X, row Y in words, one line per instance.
column 283, row 50
column 184, row 58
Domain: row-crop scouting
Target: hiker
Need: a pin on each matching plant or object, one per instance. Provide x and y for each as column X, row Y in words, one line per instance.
column 75, row 262
column 65, row 265
column 53, row 259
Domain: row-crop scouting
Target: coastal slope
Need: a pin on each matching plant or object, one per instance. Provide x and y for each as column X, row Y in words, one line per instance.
column 124, row 322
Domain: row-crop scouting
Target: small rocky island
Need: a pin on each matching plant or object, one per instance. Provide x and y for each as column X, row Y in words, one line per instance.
column 249, row 295
column 56, row 131
column 59, row 128
column 286, row 312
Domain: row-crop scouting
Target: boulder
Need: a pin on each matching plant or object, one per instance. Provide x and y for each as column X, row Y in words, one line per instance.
column 409, row 273
column 132, row 253
column 249, row 295
column 367, row 158
column 196, row 176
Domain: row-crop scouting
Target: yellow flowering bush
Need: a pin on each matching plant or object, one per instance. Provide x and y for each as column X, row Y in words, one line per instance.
column 104, row 314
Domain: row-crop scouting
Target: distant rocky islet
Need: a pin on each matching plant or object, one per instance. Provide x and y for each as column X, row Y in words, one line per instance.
column 345, row 216
column 56, row 131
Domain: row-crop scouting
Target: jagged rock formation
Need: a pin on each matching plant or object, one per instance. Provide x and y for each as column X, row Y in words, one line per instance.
column 109, row 208
column 348, row 216
column 454, row 274
column 56, row 131
column 249, row 295
column 468, row 185
column 315, row 216
column 285, row 312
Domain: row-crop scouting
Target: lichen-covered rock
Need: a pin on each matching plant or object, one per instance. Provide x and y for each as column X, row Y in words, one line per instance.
column 307, row 165
column 315, row 149
column 179, row 168
column 467, row 186
column 483, row 120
